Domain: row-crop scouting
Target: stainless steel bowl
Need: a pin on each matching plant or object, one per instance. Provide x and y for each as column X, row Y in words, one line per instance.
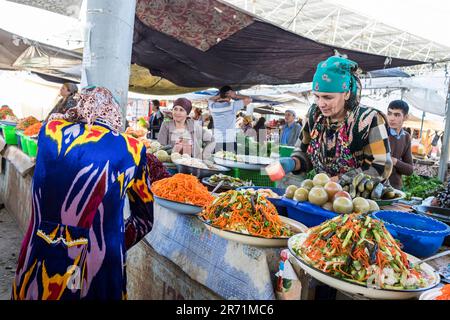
column 200, row 173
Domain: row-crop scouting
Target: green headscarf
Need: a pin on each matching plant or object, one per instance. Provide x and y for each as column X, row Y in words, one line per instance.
column 335, row 75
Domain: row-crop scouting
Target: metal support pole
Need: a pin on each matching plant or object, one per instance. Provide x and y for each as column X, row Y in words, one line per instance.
column 107, row 51
column 421, row 126
column 443, row 166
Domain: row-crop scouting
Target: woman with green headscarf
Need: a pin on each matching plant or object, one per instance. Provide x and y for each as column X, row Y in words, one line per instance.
column 339, row 135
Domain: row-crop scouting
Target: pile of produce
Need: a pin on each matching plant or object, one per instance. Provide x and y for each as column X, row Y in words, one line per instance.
column 26, row 122
column 420, row 187
column 228, row 182
column 226, row 155
column 359, row 249
column 443, row 198
column 242, row 212
column 367, row 187
column 186, row 160
column 156, row 169
column 264, row 192
column 183, row 188
column 33, row 130
column 153, row 147
column 329, row 195
column 139, row 133
column 6, row 113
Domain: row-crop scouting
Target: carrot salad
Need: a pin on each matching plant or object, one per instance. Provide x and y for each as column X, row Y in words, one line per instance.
column 445, row 293
column 246, row 213
column 183, row 188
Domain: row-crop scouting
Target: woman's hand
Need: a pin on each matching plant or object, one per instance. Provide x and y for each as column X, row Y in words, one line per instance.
column 178, row 147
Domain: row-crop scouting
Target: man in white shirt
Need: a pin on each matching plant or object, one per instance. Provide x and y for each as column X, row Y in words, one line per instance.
column 223, row 108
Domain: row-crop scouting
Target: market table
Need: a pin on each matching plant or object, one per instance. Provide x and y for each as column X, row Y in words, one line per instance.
column 230, row 269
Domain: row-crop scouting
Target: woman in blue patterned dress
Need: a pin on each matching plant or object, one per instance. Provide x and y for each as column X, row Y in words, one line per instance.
column 76, row 243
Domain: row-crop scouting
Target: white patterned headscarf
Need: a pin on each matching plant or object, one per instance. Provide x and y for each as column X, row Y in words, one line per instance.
column 94, row 104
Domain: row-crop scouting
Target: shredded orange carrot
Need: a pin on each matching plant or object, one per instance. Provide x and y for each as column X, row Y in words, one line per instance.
column 445, row 293
column 183, row 188
column 33, row 129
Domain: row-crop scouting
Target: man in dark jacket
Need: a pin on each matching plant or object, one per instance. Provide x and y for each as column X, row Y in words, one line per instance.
column 400, row 142
column 156, row 120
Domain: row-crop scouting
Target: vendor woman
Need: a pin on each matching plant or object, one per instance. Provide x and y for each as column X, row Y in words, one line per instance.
column 185, row 135
column 340, row 136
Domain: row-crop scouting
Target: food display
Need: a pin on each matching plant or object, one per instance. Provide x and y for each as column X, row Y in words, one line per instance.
column 33, row 130
column 367, row 187
column 26, row 122
column 329, row 195
column 228, row 181
column 443, row 198
column 136, row 133
column 192, row 162
column 183, row 188
column 359, row 249
column 268, row 193
column 7, row 114
column 242, row 212
column 421, row 187
column 226, row 155
column 444, row 293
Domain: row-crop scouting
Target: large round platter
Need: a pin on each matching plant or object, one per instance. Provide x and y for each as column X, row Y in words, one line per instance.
column 200, row 172
column 254, row 240
column 246, row 164
column 387, row 202
column 178, row 207
column 431, row 294
column 356, row 288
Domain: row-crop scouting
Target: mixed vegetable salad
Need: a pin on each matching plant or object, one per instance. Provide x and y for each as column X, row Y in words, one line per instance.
column 359, row 249
column 246, row 213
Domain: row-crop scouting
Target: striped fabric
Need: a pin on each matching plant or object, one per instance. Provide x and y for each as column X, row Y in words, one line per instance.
column 361, row 143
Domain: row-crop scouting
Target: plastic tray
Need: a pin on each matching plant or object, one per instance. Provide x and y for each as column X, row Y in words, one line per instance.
column 286, row 151
column 278, row 203
column 257, row 177
column 420, row 235
column 307, row 213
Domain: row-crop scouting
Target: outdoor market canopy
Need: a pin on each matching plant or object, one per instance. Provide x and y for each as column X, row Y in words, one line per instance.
column 185, row 45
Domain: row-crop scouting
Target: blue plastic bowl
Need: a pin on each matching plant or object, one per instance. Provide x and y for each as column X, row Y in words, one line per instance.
column 278, row 203
column 307, row 213
column 420, row 235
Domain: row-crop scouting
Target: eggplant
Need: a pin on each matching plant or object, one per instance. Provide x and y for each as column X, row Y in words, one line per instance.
column 388, row 193
column 365, row 194
column 346, row 188
column 369, row 185
column 377, row 192
column 357, row 179
column 373, row 254
column 345, row 180
column 352, row 191
column 362, row 185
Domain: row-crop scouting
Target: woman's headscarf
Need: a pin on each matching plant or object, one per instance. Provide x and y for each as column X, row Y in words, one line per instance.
column 336, row 74
column 94, row 104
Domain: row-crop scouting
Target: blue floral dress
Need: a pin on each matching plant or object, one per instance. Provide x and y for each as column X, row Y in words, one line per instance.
column 76, row 243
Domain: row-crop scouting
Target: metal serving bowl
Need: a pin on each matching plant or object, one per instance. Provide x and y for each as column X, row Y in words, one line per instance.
column 200, row 173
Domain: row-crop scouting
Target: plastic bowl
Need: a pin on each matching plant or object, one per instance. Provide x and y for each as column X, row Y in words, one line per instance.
column 421, row 236
column 307, row 213
column 278, row 203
